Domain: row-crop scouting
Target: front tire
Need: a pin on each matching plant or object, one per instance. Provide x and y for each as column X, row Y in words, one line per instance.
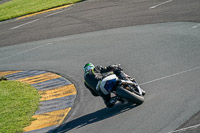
column 130, row 96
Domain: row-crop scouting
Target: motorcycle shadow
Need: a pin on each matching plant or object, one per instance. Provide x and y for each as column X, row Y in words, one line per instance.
column 96, row 116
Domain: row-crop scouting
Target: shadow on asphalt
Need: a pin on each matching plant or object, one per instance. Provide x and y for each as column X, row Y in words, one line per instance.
column 94, row 117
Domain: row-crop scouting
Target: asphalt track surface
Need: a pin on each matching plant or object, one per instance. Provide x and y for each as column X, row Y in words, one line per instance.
column 94, row 15
column 163, row 57
column 147, row 52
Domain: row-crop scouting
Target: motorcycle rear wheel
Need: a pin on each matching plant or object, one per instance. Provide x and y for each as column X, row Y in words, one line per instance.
column 130, row 96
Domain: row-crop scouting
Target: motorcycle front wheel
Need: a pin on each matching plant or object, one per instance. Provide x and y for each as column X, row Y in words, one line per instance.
column 130, row 96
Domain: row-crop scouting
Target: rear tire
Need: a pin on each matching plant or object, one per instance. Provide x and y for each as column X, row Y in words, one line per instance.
column 130, row 96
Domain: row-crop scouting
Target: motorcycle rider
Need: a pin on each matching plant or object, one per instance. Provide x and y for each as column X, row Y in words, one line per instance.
column 94, row 74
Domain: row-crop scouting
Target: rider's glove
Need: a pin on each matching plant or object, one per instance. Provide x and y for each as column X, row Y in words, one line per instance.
column 115, row 67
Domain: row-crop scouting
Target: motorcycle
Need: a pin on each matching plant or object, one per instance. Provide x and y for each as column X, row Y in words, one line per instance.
column 124, row 90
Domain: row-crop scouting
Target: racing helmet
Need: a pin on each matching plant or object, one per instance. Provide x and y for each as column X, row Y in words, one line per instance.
column 88, row 67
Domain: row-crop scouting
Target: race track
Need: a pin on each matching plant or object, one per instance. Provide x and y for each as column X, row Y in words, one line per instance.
column 157, row 42
column 157, row 55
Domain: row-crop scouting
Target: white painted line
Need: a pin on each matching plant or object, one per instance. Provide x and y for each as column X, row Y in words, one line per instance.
column 172, row 75
column 54, row 13
column 24, row 24
column 196, row 26
column 184, row 129
column 36, row 20
column 160, row 4
column 25, row 51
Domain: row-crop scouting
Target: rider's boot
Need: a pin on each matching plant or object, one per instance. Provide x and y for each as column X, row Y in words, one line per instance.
column 111, row 102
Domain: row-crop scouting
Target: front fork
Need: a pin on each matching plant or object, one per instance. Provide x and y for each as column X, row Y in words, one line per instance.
column 128, row 82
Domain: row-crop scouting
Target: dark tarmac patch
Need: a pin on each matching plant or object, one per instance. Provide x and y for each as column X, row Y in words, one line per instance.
column 4, row 1
column 190, row 126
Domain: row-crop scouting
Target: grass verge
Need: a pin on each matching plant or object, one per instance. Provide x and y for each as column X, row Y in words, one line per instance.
column 17, row 8
column 18, row 102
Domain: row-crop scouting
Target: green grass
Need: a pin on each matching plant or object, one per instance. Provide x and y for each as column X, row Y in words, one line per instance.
column 17, row 8
column 18, row 102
